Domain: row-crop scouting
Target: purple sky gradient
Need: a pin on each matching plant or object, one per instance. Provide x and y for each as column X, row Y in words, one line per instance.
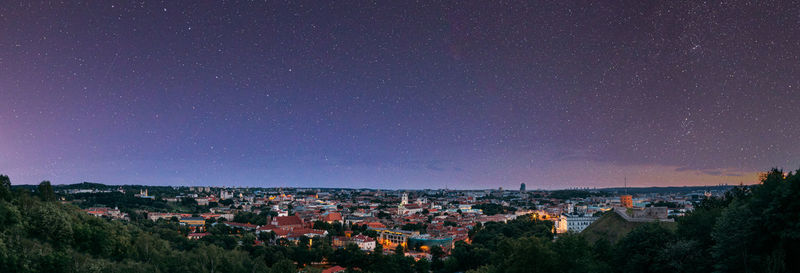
column 398, row 95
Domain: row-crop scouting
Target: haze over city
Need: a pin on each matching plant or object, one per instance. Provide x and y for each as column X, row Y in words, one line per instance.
column 398, row 95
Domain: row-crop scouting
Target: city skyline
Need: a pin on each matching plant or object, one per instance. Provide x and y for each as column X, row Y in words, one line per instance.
column 399, row 95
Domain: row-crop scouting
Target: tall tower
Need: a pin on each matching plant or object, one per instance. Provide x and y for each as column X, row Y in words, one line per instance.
column 404, row 201
column 626, row 200
column 522, row 187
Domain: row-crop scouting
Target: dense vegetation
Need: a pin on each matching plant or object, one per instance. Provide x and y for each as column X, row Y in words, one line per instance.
column 492, row 209
column 569, row 194
column 750, row 229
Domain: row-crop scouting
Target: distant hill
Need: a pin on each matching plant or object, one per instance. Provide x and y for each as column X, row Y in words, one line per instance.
column 613, row 227
column 84, row 185
column 677, row 189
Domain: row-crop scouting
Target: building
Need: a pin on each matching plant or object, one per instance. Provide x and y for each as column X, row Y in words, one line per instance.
column 426, row 242
column 651, row 212
column 196, row 236
column 626, row 201
column 332, row 217
column 154, row 216
column 391, row 238
column 202, row 201
column 114, row 213
column 194, row 223
column 577, row 222
column 287, row 222
column 243, row 226
column 297, row 233
column 143, row 194
column 409, row 209
column 335, row 269
column 522, row 187
column 363, row 242
column 493, row 218
column 223, row 194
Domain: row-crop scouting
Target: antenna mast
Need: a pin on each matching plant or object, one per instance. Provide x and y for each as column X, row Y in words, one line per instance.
column 626, row 184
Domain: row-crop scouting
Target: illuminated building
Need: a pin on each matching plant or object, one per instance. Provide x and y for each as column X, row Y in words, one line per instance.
column 393, row 238
column 426, row 242
column 626, row 201
column 194, row 223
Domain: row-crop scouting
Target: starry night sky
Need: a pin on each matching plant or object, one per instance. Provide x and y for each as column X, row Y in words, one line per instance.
column 474, row 94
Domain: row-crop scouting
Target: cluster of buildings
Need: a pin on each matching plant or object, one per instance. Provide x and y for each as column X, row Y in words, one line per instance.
column 416, row 220
column 114, row 213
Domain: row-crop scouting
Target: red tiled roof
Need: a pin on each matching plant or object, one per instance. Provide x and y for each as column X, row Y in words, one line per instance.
column 209, row 215
column 268, row 227
column 375, row 225
column 303, row 231
column 288, row 220
column 333, row 216
column 280, row 232
column 363, row 238
column 242, row 225
column 334, row 269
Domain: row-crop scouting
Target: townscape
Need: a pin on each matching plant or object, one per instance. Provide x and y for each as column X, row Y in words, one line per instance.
column 135, row 228
column 414, row 220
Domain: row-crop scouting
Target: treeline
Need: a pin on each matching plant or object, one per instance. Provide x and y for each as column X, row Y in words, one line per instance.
column 492, row 208
column 569, row 194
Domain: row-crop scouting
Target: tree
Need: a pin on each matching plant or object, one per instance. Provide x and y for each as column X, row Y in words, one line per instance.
column 759, row 230
column 573, row 254
column 422, row 266
column 436, row 258
column 45, row 191
column 48, row 221
column 9, row 214
column 5, row 187
column 524, row 255
column 399, row 250
column 637, row 251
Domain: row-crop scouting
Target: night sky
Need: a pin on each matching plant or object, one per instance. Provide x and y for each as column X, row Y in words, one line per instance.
column 468, row 94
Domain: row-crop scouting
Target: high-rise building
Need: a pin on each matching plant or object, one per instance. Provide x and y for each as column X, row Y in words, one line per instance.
column 522, row 187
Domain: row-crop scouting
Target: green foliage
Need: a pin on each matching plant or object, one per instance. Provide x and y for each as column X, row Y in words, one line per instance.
column 252, row 218
column 334, row 229
column 637, row 252
column 664, row 204
column 5, row 187
column 492, row 232
column 9, row 214
column 45, row 191
column 492, row 209
column 750, row 229
column 569, row 194
column 414, row 227
column 760, row 228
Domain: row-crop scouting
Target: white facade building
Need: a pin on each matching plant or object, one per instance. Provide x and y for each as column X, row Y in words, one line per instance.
column 577, row 223
column 573, row 223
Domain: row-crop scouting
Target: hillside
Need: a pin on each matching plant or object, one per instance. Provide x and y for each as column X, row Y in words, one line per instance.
column 613, row 227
